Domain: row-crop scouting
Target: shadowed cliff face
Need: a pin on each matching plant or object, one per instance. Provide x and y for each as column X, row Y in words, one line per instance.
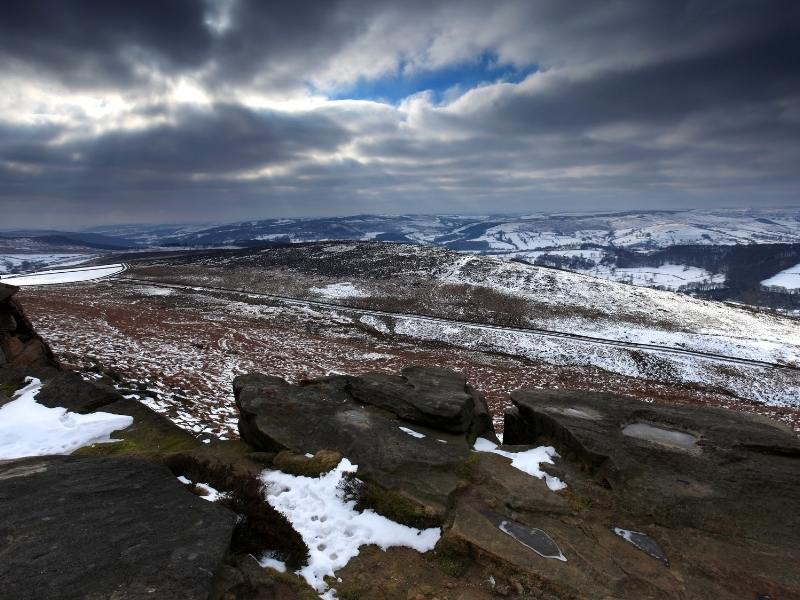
column 20, row 345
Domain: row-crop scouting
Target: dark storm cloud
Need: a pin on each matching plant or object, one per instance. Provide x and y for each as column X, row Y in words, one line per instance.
column 752, row 72
column 221, row 139
column 93, row 42
column 640, row 104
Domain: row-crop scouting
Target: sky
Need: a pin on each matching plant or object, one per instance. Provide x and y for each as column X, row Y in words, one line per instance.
column 190, row 111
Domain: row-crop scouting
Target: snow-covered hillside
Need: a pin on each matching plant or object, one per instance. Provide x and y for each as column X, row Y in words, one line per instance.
column 504, row 233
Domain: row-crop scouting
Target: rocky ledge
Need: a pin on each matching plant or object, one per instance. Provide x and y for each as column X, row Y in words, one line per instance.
column 660, row 501
column 20, row 345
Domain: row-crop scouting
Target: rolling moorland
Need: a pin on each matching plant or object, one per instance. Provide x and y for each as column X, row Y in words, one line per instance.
column 622, row 409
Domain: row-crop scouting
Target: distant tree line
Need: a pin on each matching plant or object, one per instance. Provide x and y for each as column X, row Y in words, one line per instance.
column 744, row 267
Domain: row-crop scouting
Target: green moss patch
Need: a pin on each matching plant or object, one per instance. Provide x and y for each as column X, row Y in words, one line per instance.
column 389, row 503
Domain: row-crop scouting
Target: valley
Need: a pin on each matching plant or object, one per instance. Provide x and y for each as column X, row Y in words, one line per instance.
column 192, row 321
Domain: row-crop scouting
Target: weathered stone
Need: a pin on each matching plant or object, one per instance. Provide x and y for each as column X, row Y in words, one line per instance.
column 323, row 415
column 7, row 322
column 434, row 397
column 78, row 527
column 242, row 578
column 70, row 391
column 708, row 498
column 6, row 291
column 20, row 345
column 150, row 434
column 310, row 466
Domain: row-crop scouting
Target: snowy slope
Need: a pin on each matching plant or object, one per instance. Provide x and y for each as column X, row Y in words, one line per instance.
column 504, row 233
column 637, row 314
column 788, row 279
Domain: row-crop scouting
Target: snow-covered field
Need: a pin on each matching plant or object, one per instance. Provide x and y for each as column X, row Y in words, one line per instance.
column 344, row 289
column 668, row 276
column 55, row 276
column 27, row 262
column 628, row 313
column 645, row 229
column 788, row 279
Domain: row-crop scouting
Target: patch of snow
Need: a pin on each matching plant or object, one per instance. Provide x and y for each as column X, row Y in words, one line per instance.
column 788, row 279
column 28, row 428
column 376, row 356
column 330, row 525
column 375, row 323
column 344, row 289
column 271, row 562
column 211, row 494
column 412, row 433
column 156, row 291
column 337, row 248
column 668, row 276
column 528, row 461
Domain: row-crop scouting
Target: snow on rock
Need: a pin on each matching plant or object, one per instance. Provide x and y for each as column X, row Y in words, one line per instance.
column 330, row 525
column 211, row 494
column 270, row 561
column 528, row 461
column 28, row 428
column 64, row 275
column 344, row 289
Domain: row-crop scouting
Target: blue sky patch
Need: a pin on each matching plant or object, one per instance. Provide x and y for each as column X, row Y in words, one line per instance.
column 455, row 80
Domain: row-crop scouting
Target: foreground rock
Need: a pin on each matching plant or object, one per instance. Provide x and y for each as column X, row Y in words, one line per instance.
column 20, row 345
column 661, row 501
column 81, row 527
column 385, row 424
column 150, row 434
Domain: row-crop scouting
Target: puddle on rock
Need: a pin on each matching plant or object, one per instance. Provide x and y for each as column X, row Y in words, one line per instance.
column 535, row 539
column 576, row 413
column 643, row 542
column 661, row 435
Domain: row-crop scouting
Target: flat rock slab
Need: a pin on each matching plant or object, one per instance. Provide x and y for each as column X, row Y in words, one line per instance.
column 97, row 528
column 706, row 494
column 434, row 397
column 391, row 448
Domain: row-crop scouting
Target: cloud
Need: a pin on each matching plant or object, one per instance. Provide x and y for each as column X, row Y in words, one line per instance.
column 223, row 110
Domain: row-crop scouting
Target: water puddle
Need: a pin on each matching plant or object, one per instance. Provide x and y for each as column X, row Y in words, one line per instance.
column 661, row 435
column 576, row 413
column 643, row 542
column 535, row 539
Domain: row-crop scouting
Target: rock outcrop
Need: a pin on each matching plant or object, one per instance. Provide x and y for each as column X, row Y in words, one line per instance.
column 86, row 527
column 20, row 345
column 408, row 433
column 661, row 501
column 151, row 434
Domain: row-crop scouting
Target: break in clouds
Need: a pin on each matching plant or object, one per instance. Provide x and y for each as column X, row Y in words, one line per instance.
column 232, row 109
